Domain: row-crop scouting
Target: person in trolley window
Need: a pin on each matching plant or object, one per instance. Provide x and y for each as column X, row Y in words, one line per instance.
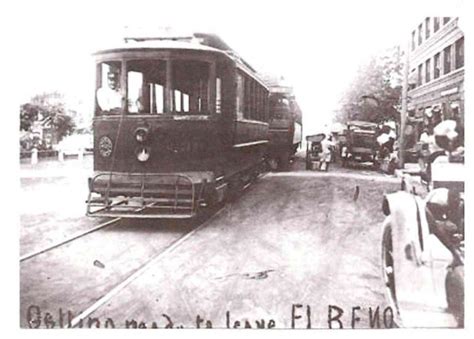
column 109, row 97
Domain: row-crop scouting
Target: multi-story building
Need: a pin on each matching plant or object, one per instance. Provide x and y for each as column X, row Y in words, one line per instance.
column 436, row 77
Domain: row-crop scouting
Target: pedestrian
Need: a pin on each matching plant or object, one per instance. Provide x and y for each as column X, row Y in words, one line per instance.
column 326, row 149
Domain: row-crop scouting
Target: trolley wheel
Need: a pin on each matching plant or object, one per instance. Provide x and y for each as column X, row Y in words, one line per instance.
column 272, row 164
column 284, row 161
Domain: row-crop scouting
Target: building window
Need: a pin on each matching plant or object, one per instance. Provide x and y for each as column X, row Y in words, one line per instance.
column 427, row 28
column 447, row 60
column 413, row 34
column 420, row 38
column 420, row 75
column 437, row 66
column 435, row 24
column 460, row 53
column 446, row 19
column 412, row 79
column 428, row 70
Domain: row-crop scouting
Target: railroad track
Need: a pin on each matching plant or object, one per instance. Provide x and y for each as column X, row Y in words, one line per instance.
column 74, row 237
column 68, row 240
column 97, row 228
column 159, row 256
column 140, row 271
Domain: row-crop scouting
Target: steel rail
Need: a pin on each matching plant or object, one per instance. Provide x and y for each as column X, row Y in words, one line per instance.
column 140, row 271
column 74, row 237
column 78, row 235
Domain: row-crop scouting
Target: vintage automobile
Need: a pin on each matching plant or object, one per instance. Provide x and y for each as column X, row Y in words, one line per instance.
column 361, row 143
column 423, row 248
column 79, row 142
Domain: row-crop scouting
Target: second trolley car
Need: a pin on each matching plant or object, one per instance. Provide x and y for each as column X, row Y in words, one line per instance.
column 286, row 128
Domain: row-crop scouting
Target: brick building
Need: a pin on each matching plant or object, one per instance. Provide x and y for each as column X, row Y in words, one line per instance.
column 436, row 75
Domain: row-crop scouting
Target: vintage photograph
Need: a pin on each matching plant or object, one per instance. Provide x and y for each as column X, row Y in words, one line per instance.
column 241, row 165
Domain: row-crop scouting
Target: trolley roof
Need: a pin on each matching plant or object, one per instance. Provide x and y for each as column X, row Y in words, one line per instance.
column 277, row 85
column 205, row 42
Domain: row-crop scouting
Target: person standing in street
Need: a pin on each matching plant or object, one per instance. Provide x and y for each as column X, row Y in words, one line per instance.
column 326, row 145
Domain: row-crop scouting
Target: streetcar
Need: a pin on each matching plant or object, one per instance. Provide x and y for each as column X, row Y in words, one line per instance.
column 286, row 128
column 181, row 122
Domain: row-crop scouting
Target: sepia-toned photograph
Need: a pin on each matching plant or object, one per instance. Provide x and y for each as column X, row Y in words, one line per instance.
column 241, row 165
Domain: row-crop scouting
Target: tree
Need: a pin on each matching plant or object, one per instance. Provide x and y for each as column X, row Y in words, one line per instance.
column 374, row 95
column 48, row 107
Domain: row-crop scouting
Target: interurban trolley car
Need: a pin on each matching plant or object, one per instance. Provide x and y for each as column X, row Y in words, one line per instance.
column 285, row 124
column 180, row 122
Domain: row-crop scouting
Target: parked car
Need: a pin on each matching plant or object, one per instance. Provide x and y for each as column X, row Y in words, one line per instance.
column 423, row 246
column 360, row 143
column 76, row 143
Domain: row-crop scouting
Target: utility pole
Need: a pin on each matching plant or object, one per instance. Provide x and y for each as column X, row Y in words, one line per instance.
column 404, row 112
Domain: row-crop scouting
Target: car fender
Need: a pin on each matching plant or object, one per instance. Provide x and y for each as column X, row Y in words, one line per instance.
column 421, row 301
column 409, row 224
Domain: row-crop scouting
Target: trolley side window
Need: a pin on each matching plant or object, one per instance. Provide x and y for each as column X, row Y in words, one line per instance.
column 240, row 96
column 251, row 99
column 109, row 93
column 218, row 95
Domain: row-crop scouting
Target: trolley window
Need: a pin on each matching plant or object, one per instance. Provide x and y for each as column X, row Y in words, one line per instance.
column 240, row 103
column 108, row 88
column 250, row 98
column 280, row 107
column 191, row 86
column 146, row 81
column 178, row 87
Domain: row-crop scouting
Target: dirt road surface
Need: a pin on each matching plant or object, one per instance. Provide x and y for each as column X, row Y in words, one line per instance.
column 294, row 247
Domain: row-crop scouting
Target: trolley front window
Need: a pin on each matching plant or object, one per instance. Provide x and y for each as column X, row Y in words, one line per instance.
column 280, row 107
column 109, row 91
column 146, row 82
column 159, row 86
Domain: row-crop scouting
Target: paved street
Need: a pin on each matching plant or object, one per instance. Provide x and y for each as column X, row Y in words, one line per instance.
column 293, row 238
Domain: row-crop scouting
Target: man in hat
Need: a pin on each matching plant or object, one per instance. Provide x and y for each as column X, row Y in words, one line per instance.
column 109, row 97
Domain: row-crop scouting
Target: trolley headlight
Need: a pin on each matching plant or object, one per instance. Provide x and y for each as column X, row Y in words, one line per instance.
column 143, row 153
column 142, row 134
column 105, row 146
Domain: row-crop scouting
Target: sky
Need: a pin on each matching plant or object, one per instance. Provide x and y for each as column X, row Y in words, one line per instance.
column 316, row 45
